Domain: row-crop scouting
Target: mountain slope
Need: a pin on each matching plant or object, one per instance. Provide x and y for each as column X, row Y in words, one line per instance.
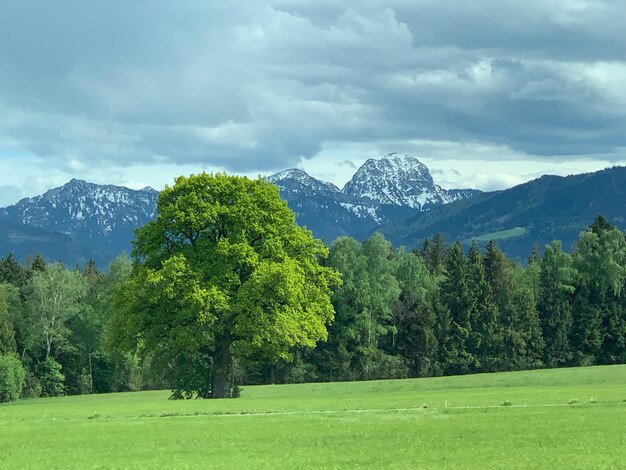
column 323, row 208
column 381, row 191
column 91, row 214
column 537, row 212
column 25, row 241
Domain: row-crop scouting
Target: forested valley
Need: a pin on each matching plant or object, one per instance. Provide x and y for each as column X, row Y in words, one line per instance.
column 438, row 310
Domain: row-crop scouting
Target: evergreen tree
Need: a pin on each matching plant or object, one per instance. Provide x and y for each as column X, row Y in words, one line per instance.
column 486, row 337
column 12, row 272
column 600, row 262
column 524, row 328
column 555, row 305
column 35, row 265
column 517, row 314
column 457, row 298
column 434, row 253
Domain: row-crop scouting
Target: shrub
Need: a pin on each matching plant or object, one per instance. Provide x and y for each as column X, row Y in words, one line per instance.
column 11, row 377
column 32, row 387
column 51, row 378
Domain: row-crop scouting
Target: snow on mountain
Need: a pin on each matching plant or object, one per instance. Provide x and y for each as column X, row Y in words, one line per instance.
column 89, row 213
column 399, row 180
column 298, row 180
column 103, row 218
column 380, row 191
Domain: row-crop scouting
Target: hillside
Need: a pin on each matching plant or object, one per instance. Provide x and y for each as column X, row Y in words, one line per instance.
column 25, row 241
column 536, row 212
column 381, row 191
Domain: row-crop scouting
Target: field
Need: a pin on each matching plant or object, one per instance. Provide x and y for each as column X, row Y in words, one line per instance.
column 567, row 418
column 501, row 235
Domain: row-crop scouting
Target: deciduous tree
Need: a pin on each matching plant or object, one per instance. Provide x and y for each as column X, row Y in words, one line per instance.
column 222, row 271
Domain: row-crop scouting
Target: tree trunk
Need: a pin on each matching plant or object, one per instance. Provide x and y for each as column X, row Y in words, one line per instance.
column 222, row 370
column 90, row 375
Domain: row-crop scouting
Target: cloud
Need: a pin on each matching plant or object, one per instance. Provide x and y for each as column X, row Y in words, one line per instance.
column 260, row 86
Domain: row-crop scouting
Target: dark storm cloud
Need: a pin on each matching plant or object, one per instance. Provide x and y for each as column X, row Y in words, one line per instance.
column 260, row 85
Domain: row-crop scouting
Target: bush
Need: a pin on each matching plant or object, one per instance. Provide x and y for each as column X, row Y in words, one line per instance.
column 51, row 378
column 11, row 377
column 32, row 387
column 379, row 365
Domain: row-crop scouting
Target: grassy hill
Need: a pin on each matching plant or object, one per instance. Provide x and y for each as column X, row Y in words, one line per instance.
column 566, row 418
column 538, row 212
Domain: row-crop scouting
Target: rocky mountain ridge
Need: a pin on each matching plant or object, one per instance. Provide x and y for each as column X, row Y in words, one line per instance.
column 103, row 217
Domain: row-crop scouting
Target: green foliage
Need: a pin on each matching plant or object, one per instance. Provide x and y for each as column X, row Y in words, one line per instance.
column 458, row 299
column 217, row 295
column 11, row 272
column 50, row 378
column 7, row 333
column 600, row 324
column 37, row 264
column 223, row 270
column 414, row 320
column 555, row 305
column 486, row 338
column 55, row 295
column 11, row 377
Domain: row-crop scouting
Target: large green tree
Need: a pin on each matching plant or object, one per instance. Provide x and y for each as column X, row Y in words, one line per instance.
column 599, row 327
column 223, row 271
column 364, row 310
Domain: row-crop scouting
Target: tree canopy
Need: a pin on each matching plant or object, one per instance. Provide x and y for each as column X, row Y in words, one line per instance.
column 223, row 271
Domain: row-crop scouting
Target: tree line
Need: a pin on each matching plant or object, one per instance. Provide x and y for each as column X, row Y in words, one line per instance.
column 443, row 310
column 438, row 310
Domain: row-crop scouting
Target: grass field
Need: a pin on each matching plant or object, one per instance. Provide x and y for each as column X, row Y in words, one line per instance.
column 567, row 418
column 501, row 235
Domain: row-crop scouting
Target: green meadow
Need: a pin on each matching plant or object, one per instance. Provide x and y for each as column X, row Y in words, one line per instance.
column 565, row 418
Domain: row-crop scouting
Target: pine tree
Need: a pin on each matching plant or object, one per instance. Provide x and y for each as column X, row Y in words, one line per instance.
column 413, row 315
column 486, row 338
column 434, row 253
column 600, row 261
column 36, row 265
column 457, row 297
column 12, row 272
column 555, row 305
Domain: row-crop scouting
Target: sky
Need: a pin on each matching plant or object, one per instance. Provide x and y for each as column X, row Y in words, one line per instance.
column 487, row 93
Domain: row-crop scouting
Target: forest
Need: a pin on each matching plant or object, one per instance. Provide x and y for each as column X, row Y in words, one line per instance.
column 438, row 310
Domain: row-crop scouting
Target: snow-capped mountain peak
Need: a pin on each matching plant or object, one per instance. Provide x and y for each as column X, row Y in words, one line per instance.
column 296, row 179
column 397, row 180
column 88, row 212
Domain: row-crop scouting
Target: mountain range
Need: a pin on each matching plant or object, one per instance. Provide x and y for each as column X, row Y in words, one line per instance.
column 533, row 213
column 395, row 195
column 76, row 222
column 381, row 191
